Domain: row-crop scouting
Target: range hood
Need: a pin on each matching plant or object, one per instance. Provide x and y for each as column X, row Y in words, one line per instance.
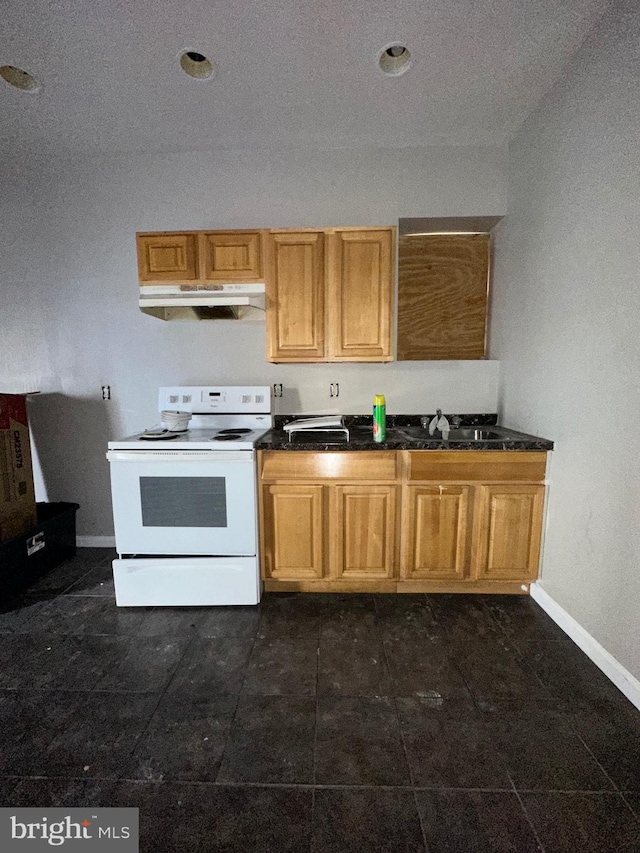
column 204, row 302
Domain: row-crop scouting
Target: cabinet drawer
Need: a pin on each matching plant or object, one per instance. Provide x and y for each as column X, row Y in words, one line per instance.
column 325, row 465
column 471, row 465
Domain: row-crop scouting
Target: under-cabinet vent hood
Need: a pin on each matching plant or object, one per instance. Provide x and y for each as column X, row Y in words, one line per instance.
column 214, row 302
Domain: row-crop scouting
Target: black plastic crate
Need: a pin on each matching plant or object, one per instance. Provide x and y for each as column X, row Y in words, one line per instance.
column 51, row 541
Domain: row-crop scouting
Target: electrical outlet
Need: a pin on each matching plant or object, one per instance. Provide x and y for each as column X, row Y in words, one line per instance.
column 277, row 389
column 106, row 392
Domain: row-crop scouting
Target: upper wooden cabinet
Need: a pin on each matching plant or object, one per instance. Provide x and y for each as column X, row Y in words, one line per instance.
column 329, row 294
column 442, row 296
column 167, row 257
column 295, row 296
column 200, row 257
column 231, row 255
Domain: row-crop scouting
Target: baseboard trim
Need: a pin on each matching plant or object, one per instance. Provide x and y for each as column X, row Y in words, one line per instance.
column 613, row 669
column 96, row 541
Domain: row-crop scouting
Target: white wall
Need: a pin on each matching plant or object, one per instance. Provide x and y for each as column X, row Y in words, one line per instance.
column 69, row 289
column 566, row 325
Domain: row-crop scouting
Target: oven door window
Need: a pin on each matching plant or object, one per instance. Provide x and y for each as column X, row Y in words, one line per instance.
column 183, row 501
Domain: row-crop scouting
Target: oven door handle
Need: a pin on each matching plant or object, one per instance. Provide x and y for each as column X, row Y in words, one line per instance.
column 235, row 456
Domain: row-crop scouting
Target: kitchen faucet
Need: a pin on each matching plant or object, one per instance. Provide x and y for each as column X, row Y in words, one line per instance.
column 454, row 422
column 439, row 423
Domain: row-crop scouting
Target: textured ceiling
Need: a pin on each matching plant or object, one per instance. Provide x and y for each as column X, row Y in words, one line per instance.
column 288, row 72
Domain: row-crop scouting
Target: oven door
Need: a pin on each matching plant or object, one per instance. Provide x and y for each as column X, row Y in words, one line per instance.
column 184, row 501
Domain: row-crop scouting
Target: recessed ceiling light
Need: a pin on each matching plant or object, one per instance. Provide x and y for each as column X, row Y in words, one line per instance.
column 394, row 59
column 196, row 65
column 19, row 79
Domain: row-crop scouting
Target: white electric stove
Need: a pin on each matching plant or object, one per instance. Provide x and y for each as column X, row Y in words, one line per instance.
column 185, row 503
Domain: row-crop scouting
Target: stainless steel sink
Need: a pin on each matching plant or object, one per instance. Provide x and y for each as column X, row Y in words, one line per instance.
column 460, row 434
column 474, row 434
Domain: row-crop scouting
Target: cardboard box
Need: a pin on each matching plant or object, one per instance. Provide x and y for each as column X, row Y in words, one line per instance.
column 17, row 494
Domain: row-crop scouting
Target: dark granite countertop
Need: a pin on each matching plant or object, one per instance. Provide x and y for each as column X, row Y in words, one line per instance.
column 404, row 433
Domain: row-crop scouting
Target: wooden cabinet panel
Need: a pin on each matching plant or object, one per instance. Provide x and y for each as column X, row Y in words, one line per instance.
column 333, row 520
column 327, row 465
column 167, row 257
column 329, row 294
column 295, row 296
column 478, row 465
column 360, row 289
column 436, row 532
column 442, row 296
column 231, row 256
column 363, row 531
column 199, row 257
column 508, row 531
column 293, row 531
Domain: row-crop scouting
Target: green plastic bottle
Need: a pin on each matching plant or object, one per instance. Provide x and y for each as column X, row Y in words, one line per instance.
column 379, row 418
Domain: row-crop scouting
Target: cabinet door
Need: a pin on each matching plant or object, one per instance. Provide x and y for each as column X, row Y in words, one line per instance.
column 231, row 256
column 363, row 523
column 167, row 257
column 360, row 289
column 293, row 528
column 295, row 296
column 436, row 532
column 508, row 532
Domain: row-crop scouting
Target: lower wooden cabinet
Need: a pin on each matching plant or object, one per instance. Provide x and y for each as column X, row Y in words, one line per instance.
column 508, row 531
column 322, row 532
column 362, row 531
column 293, row 521
column 436, row 532
column 368, row 522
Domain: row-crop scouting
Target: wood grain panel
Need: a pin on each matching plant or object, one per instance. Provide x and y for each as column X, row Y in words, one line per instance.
column 476, row 465
column 293, row 531
column 360, row 289
column 363, row 531
column 357, row 585
column 295, row 287
column 360, row 585
column 436, row 529
column 166, row 257
column 508, row 532
column 442, row 296
column 231, row 256
column 468, row 585
column 326, row 465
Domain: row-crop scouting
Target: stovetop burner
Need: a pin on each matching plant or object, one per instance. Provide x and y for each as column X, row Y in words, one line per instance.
column 224, row 419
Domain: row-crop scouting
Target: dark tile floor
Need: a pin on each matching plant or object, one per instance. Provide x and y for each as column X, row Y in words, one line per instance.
column 316, row 723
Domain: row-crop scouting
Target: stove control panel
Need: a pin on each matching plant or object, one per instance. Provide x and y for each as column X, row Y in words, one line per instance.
column 227, row 399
